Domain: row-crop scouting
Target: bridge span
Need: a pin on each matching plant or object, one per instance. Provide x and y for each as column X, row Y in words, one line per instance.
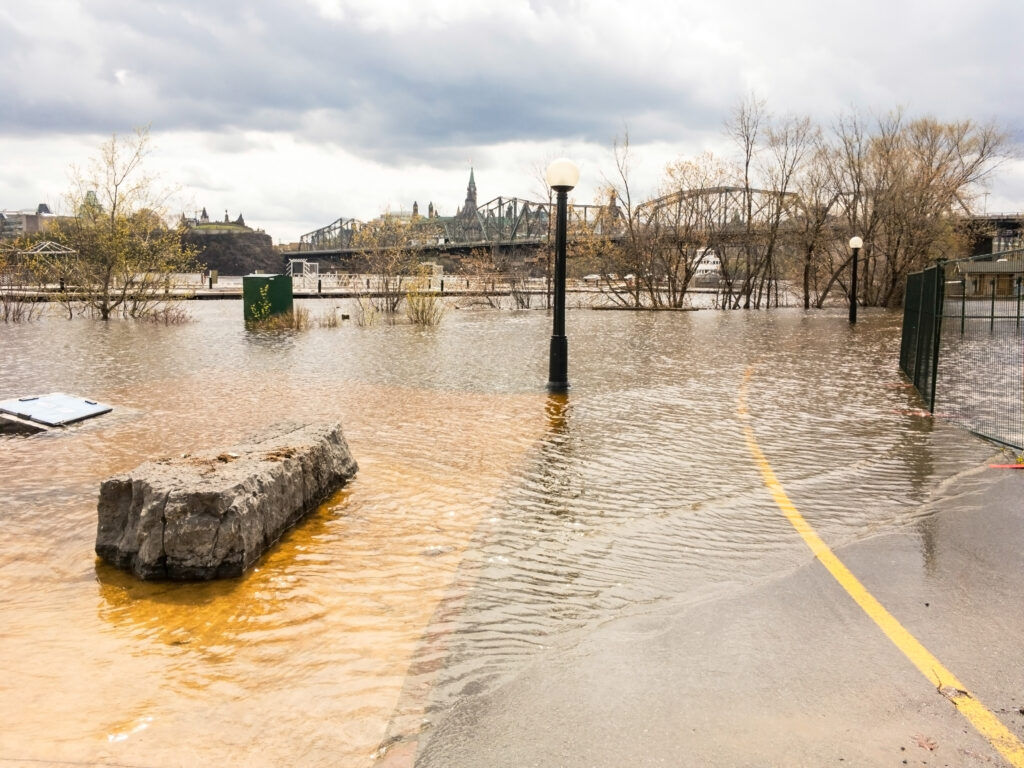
column 713, row 216
column 505, row 222
column 502, row 222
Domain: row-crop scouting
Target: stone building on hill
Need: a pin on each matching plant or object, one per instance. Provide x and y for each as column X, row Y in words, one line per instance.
column 230, row 247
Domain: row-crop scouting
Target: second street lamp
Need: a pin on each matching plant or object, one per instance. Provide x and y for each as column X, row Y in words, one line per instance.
column 561, row 176
column 855, row 245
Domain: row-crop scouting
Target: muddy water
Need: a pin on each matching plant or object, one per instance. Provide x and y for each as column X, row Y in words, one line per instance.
column 488, row 521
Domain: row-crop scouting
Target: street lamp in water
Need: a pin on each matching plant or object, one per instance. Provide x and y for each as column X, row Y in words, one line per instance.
column 855, row 245
column 561, row 176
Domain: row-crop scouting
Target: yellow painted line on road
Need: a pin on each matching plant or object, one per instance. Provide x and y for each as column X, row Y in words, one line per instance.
column 945, row 682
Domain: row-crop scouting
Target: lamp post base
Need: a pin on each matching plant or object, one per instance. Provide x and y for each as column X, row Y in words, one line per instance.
column 558, row 365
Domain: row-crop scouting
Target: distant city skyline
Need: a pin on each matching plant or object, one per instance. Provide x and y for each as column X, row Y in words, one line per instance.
column 295, row 114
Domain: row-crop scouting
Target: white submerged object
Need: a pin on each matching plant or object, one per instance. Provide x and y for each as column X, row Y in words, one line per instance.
column 53, row 410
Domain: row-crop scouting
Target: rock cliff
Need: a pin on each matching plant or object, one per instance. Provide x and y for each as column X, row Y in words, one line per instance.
column 235, row 253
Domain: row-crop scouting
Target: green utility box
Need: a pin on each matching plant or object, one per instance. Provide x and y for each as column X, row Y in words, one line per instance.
column 266, row 295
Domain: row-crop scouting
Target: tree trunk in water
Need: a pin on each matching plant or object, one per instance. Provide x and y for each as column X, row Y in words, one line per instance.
column 807, row 283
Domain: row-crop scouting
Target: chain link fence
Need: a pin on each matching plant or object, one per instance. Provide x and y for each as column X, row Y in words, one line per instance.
column 963, row 343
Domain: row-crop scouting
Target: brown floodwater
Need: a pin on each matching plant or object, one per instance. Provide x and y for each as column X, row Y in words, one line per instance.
column 489, row 521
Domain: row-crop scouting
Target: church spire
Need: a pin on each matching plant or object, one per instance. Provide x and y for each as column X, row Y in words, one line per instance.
column 469, row 209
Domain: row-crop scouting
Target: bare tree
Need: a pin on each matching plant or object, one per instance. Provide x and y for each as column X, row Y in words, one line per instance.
column 686, row 224
column 815, row 204
column 19, row 269
column 627, row 268
column 790, row 143
column 384, row 245
column 903, row 186
column 126, row 254
column 487, row 265
column 744, row 128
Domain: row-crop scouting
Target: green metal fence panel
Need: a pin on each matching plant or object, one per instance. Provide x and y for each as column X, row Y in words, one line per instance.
column 929, row 333
column 922, row 328
column 963, row 343
column 911, row 319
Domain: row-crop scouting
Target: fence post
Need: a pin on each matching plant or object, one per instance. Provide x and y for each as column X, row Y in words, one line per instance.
column 992, row 312
column 919, row 339
column 963, row 304
column 940, row 303
column 1019, row 279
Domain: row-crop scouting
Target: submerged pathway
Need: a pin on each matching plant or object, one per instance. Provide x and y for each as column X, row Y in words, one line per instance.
column 792, row 669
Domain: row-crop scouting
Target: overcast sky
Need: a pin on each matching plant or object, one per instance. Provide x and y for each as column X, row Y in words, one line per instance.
column 296, row 113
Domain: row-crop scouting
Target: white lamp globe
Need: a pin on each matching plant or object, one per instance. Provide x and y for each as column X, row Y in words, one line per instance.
column 562, row 173
column 856, row 242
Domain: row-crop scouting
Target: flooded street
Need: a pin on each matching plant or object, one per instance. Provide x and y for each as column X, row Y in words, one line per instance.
column 490, row 526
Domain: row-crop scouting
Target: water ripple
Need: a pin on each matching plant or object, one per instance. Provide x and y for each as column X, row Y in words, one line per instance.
column 489, row 522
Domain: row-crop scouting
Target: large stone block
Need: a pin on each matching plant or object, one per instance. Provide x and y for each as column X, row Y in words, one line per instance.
column 211, row 515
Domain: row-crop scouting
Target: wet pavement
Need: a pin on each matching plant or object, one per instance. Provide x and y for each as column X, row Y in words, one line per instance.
column 785, row 672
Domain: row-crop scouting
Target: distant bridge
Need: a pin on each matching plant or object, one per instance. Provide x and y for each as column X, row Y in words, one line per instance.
column 509, row 221
column 504, row 223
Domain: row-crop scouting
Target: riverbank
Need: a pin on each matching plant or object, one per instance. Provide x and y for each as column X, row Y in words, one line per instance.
column 354, row 286
column 231, row 291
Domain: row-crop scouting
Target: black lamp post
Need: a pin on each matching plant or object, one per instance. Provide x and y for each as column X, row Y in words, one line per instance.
column 855, row 245
column 562, row 176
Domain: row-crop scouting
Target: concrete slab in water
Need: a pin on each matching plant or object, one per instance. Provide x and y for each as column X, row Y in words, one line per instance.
column 53, row 410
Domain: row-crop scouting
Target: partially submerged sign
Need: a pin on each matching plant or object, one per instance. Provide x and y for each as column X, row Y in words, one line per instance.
column 53, row 410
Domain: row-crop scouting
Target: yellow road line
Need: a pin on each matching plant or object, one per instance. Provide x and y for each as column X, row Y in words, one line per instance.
column 945, row 682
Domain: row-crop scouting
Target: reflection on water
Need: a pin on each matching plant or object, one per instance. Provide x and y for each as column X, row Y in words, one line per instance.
column 489, row 520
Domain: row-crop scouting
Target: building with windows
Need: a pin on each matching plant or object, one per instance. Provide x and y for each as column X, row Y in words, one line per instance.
column 27, row 222
column 995, row 232
column 998, row 276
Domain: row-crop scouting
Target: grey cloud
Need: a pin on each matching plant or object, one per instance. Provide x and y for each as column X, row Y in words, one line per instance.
column 400, row 95
column 197, row 66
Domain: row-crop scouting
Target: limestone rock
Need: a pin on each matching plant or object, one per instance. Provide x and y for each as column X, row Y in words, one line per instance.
column 212, row 515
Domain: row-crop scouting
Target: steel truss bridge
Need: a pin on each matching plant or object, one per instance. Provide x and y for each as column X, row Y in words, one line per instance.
column 505, row 222
column 714, row 208
column 720, row 212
